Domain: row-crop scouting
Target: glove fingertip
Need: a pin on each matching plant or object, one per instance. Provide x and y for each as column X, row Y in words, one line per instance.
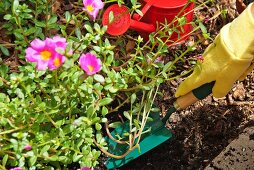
column 220, row 94
column 182, row 89
column 178, row 93
column 221, row 89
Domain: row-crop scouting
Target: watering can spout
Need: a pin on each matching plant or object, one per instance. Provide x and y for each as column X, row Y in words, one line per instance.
column 122, row 21
column 142, row 27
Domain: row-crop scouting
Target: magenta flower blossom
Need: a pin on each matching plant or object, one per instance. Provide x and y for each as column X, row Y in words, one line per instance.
column 85, row 168
column 92, row 7
column 90, row 64
column 45, row 54
column 157, row 60
column 206, row 20
column 56, row 62
column 28, row 147
column 16, row 168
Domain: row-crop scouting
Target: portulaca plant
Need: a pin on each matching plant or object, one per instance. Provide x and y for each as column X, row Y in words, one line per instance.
column 72, row 78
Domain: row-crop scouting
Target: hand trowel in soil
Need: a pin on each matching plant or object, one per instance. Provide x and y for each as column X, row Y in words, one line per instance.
column 158, row 132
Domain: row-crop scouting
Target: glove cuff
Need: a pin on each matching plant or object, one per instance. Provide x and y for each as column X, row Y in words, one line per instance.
column 238, row 35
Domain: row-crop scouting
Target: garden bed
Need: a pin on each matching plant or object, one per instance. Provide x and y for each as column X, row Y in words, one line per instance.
column 202, row 131
column 45, row 112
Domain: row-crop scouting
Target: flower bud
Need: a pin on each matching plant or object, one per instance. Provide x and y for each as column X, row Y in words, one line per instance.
column 28, row 147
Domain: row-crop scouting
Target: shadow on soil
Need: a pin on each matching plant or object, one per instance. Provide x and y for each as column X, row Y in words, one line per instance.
column 198, row 138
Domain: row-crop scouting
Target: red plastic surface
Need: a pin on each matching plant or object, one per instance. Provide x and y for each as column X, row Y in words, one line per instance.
column 162, row 10
column 142, row 27
column 167, row 3
column 121, row 21
column 156, row 12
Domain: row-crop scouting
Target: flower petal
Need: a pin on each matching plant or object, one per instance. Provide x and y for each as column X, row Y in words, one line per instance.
column 85, row 168
column 59, row 41
column 50, row 44
column 94, row 13
column 41, row 65
column 87, row 2
column 16, row 168
column 98, row 4
column 56, row 62
column 32, row 55
column 37, row 44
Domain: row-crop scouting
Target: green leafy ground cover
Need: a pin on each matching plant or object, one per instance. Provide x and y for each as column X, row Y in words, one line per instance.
column 54, row 117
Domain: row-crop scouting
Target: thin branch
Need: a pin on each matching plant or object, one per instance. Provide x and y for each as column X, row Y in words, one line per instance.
column 112, row 155
column 111, row 137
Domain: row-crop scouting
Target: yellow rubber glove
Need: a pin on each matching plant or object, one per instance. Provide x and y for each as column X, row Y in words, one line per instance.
column 227, row 59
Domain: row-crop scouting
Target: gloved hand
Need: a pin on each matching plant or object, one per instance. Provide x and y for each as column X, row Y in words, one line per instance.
column 227, row 59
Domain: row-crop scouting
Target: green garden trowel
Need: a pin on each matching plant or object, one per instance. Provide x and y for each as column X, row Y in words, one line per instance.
column 158, row 132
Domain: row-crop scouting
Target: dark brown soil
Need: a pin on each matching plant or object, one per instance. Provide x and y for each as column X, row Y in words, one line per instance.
column 202, row 131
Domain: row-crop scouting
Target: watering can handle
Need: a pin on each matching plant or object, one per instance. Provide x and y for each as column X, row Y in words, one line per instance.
column 138, row 17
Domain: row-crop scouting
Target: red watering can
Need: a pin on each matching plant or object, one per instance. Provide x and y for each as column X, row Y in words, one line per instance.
column 154, row 12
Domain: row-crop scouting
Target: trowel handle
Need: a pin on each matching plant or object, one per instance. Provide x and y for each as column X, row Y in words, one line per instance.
column 190, row 98
column 138, row 17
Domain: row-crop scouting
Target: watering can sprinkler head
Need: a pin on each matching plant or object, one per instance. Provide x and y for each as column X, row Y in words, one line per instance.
column 122, row 21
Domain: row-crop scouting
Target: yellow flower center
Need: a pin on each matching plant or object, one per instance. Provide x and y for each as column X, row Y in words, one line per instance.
column 45, row 55
column 90, row 68
column 57, row 62
column 89, row 8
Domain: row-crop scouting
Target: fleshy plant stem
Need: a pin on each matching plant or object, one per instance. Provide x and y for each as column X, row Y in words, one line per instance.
column 112, row 155
column 5, row 81
column 11, row 131
column 47, row 17
column 146, row 112
column 20, row 27
column 76, row 24
column 27, row 91
column 2, row 167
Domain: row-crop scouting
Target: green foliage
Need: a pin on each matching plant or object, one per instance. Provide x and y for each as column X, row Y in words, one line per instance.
column 61, row 113
column 4, row 6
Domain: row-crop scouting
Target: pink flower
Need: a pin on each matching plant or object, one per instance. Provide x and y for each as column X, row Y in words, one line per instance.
column 45, row 54
column 16, row 168
column 90, row 64
column 206, row 20
column 28, row 147
column 157, row 60
column 92, row 7
column 85, row 168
